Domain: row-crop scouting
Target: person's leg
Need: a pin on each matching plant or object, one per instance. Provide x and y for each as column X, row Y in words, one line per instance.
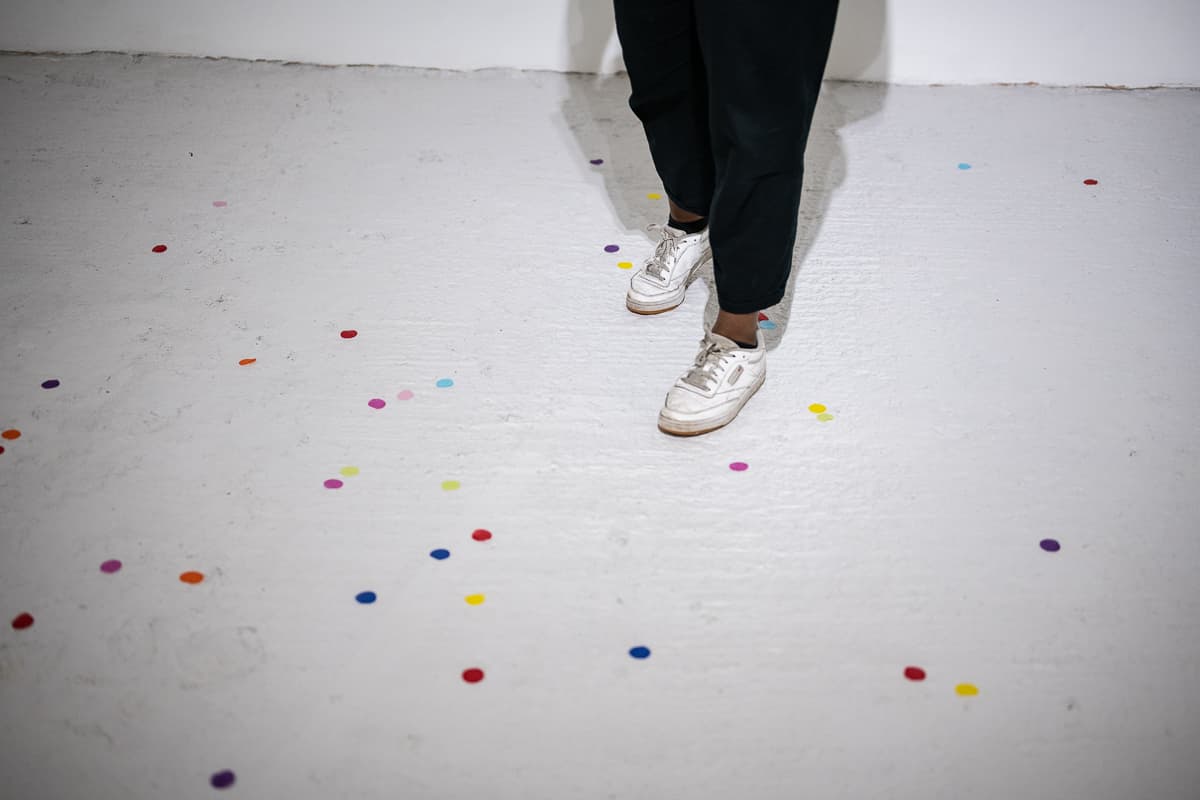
column 670, row 97
column 765, row 61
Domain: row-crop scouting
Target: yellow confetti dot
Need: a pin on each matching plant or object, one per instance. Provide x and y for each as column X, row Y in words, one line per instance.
column 654, row 196
column 817, row 408
column 474, row 599
column 824, row 417
column 625, row 264
column 450, row 486
column 967, row 689
column 349, row 472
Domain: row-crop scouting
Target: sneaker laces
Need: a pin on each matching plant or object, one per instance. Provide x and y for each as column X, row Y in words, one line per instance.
column 656, row 265
column 709, row 361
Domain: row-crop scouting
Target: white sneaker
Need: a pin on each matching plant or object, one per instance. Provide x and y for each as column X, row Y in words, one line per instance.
column 663, row 280
column 714, row 390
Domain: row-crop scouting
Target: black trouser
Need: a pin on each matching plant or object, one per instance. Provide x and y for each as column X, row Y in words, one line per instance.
column 725, row 90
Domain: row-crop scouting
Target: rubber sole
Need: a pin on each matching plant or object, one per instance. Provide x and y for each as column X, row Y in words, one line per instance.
column 687, row 429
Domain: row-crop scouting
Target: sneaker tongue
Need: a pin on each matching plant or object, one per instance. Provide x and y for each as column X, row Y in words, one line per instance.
column 724, row 342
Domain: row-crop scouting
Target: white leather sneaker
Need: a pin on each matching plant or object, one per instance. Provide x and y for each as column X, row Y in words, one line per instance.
column 714, row 390
column 662, row 281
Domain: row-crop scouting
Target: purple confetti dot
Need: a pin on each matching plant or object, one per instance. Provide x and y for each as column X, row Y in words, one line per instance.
column 611, row 248
column 597, row 161
column 739, row 466
column 50, row 384
column 333, row 483
column 376, row 403
column 110, row 566
column 223, row 779
column 1050, row 545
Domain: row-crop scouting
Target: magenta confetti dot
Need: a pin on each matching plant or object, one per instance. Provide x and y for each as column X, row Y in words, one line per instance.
column 110, row 566
column 333, row 483
column 611, row 248
column 739, row 466
column 50, row 384
column 376, row 403
column 597, row 161
column 219, row 204
column 1050, row 545
column 405, row 395
column 223, row 779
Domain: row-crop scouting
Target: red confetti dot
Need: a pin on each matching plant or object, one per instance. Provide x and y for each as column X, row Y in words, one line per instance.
column 472, row 675
column 762, row 317
column 1090, row 182
column 481, row 535
column 914, row 673
column 349, row 334
column 1, row 449
column 159, row 248
column 22, row 621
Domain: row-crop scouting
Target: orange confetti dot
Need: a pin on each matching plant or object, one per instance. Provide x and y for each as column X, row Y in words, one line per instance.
column 11, row 433
column 192, row 577
column 246, row 361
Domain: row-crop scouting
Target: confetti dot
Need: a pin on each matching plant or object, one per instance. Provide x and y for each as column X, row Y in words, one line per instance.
column 440, row 554
column 914, row 673
column 597, row 161
column 1050, row 545
column 22, row 621
column 472, row 675
column 1, row 449
column 333, row 483
column 817, row 408
column 824, row 417
column 11, row 433
column 349, row 334
column 767, row 325
column 966, row 689
column 654, row 196
column 191, row 577
column 110, row 566
column 625, row 264
column 1090, row 182
column 611, row 248
column 639, row 652
column 964, row 165
column 349, row 472
column 445, row 383
column 50, row 384
column 739, row 466
column 481, row 535
column 376, row 402
column 219, row 204
column 474, row 599
column 223, row 779
column 762, row 317
column 405, row 395
column 246, row 361
column 159, row 248
column 366, row 598
column 450, row 486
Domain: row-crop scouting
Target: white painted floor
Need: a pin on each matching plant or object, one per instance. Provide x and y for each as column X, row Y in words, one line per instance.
column 1008, row 356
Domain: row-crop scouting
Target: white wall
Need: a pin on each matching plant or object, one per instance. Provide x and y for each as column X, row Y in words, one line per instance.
column 1143, row 43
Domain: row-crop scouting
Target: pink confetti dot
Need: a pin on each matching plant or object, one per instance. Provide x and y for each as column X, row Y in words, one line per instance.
column 739, row 466
column 376, row 403
column 110, row 566
column 333, row 483
column 219, row 204
column 405, row 395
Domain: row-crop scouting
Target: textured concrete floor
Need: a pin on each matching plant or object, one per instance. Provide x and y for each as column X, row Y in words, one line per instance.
column 1007, row 354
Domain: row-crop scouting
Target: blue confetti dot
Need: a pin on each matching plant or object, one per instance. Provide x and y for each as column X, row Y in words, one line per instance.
column 365, row 597
column 640, row 652
column 445, row 383
column 440, row 554
column 767, row 325
column 964, row 165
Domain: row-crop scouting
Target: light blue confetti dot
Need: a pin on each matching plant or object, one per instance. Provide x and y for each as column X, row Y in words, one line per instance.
column 639, row 652
column 440, row 554
column 767, row 325
column 964, row 165
column 366, row 598
column 445, row 383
